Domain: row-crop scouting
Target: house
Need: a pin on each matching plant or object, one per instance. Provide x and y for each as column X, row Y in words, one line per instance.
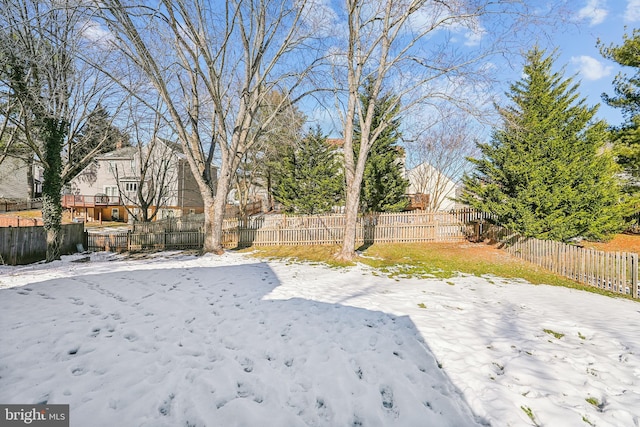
column 108, row 189
column 15, row 179
column 430, row 189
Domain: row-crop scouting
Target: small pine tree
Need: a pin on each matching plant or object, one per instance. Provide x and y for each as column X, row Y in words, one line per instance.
column 546, row 173
column 383, row 186
column 309, row 179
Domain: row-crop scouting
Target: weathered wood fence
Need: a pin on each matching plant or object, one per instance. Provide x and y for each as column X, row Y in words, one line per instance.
column 404, row 227
column 612, row 271
column 270, row 230
column 24, row 245
column 20, row 205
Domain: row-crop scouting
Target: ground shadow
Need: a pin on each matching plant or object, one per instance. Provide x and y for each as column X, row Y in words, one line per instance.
column 202, row 346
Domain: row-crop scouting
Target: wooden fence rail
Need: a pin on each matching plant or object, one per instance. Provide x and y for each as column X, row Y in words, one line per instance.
column 612, row 271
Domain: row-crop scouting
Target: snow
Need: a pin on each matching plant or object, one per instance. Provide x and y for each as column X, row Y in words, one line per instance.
column 178, row 340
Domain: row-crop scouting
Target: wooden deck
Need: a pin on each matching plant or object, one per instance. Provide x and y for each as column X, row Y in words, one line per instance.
column 81, row 201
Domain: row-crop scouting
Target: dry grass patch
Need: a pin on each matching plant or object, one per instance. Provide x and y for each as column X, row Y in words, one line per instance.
column 430, row 260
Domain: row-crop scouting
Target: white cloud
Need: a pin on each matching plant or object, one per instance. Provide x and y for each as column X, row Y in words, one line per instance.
column 94, row 32
column 632, row 12
column 590, row 68
column 474, row 36
column 594, row 11
column 321, row 19
column 435, row 17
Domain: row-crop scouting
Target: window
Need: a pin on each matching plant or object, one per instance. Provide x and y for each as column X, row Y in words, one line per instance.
column 111, row 191
column 131, row 186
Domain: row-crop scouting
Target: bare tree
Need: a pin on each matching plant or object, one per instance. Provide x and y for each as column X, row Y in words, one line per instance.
column 254, row 177
column 145, row 184
column 408, row 45
column 214, row 64
column 50, row 93
column 439, row 155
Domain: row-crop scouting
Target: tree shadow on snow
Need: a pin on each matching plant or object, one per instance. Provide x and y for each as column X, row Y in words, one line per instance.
column 203, row 347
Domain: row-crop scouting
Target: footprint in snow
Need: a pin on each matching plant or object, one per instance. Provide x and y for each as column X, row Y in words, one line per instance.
column 247, row 365
column 165, row 408
column 387, row 400
column 78, row 371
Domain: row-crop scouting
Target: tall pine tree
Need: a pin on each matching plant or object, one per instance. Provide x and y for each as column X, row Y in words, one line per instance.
column 627, row 99
column 547, row 173
column 383, row 185
column 308, row 179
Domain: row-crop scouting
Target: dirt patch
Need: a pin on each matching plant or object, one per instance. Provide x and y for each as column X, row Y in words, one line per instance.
column 474, row 251
column 620, row 243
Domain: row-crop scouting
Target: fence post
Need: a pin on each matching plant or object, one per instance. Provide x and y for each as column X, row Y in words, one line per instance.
column 634, row 276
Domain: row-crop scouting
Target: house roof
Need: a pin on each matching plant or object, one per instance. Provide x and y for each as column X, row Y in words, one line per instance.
column 335, row 142
column 121, row 153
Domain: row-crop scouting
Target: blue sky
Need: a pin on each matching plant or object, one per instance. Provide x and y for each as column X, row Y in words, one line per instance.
column 575, row 34
column 593, row 20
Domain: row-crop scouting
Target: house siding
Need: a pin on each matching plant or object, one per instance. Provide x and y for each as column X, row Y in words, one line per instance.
column 425, row 179
column 13, row 179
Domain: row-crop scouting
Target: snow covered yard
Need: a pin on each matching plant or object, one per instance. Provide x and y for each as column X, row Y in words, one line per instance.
column 177, row 340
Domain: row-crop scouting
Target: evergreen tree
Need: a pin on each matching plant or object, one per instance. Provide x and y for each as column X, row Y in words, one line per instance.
column 97, row 135
column 308, row 178
column 546, row 173
column 383, row 185
column 257, row 166
column 627, row 98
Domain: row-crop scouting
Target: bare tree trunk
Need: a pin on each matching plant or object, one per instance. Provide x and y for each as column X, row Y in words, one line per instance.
column 209, row 227
column 30, row 183
column 214, row 212
column 352, row 201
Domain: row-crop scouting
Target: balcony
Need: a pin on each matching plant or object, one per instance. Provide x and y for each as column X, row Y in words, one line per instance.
column 99, row 200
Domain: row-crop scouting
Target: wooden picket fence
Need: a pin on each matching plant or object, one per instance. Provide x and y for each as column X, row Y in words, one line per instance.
column 180, row 240
column 271, row 230
column 405, row 227
column 114, row 242
column 612, row 271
